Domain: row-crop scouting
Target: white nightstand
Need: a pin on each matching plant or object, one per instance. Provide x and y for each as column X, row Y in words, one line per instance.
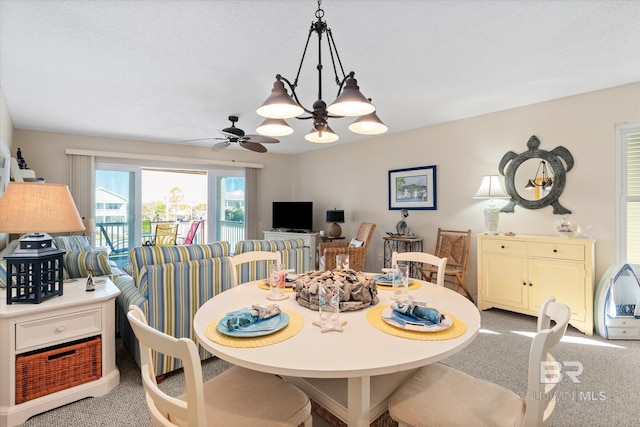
column 62, row 321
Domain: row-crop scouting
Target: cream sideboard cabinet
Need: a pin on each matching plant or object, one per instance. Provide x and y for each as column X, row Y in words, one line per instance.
column 517, row 273
column 69, row 338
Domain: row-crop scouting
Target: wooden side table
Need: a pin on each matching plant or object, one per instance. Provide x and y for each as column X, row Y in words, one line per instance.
column 402, row 244
column 59, row 322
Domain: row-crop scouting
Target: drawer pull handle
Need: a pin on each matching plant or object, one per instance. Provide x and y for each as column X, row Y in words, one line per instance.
column 60, row 328
column 502, row 247
column 524, row 283
column 555, row 251
column 530, row 284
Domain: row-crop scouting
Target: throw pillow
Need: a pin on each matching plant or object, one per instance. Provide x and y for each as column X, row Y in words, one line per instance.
column 355, row 243
column 77, row 264
column 3, row 273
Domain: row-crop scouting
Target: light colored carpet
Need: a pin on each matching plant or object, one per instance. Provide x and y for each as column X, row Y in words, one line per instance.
column 606, row 395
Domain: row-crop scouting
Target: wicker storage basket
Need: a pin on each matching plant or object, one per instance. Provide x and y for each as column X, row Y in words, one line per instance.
column 57, row 368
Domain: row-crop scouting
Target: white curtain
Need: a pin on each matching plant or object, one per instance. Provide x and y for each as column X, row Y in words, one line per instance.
column 251, row 214
column 81, row 185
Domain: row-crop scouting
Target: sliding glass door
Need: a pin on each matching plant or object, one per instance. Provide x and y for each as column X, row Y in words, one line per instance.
column 132, row 200
column 115, row 210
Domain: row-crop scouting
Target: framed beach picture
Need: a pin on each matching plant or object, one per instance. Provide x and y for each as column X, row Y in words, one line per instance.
column 413, row 188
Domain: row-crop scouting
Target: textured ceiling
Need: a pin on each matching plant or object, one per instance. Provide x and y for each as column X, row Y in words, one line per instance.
column 169, row 71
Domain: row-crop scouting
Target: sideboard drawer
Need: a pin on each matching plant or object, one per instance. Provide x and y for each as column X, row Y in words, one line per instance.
column 53, row 330
column 556, row 250
column 505, row 246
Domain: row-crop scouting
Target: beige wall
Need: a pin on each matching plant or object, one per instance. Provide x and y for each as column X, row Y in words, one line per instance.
column 463, row 152
column 45, row 154
column 354, row 177
column 6, row 125
column 6, row 135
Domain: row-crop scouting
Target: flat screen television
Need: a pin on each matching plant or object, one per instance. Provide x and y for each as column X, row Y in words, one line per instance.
column 292, row 216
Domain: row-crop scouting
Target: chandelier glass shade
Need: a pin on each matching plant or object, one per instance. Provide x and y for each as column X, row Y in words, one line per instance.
column 274, row 127
column 350, row 102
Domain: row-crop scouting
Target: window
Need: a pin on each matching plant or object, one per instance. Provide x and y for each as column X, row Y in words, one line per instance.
column 628, row 189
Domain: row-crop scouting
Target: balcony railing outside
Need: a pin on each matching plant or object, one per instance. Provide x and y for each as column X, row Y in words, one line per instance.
column 231, row 231
column 115, row 235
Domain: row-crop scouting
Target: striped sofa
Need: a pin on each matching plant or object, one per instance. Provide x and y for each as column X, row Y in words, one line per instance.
column 294, row 254
column 169, row 284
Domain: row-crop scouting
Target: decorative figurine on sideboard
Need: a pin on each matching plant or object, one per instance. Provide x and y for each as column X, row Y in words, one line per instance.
column 401, row 226
column 22, row 163
column 90, row 285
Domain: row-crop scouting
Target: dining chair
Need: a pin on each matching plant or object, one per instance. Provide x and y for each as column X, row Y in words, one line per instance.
column 238, row 396
column 453, row 245
column 252, row 265
column 438, row 395
column 357, row 254
column 426, row 260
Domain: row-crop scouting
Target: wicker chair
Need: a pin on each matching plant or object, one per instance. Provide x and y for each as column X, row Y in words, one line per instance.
column 453, row 245
column 357, row 255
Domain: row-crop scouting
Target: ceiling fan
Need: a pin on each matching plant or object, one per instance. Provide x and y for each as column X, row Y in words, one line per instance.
column 234, row 135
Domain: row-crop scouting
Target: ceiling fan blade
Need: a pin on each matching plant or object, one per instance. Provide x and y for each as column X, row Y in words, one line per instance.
column 253, row 146
column 220, row 145
column 201, row 139
column 261, row 139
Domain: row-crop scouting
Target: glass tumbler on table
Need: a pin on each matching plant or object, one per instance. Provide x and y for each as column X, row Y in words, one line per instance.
column 276, row 281
column 401, row 282
column 329, row 305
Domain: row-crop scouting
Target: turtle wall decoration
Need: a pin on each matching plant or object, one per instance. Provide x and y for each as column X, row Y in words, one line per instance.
column 554, row 158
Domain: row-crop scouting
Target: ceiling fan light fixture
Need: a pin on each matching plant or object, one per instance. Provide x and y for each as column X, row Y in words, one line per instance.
column 279, row 105
column 274, row 127
column 322, row 137
column 351, row 102
column 369, row 124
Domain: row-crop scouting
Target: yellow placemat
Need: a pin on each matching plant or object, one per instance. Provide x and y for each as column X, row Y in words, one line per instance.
column 296, row 322
column 264, row 285
column 414, row 285
column 374, row 316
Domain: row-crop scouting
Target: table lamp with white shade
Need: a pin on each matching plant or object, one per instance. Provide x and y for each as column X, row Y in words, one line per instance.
column 34, row 269
column 491, row 189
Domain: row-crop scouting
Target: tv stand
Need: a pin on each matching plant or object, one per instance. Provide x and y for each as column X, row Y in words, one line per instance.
column 309, row 238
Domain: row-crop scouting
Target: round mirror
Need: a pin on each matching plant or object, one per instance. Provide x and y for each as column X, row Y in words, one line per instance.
column 536, row 178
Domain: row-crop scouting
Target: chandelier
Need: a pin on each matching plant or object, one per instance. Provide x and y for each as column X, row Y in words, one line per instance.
column 545, row 182
column 350, row 102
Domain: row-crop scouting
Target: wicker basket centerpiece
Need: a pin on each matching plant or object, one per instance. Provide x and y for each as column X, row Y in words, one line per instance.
column 357, row 290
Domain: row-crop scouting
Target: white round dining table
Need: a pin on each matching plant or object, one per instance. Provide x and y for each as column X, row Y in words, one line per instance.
column 351, row 373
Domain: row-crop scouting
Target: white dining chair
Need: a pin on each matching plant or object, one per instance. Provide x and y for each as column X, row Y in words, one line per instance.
column 424, row 258
column 236, row 397
column 252, row 257
column 438, row 395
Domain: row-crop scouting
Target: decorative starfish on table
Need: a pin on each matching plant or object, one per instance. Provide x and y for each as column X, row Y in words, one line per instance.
column 328, row 327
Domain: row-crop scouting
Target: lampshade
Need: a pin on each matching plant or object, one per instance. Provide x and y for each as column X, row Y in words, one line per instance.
column 274, row 127
column 369, row 124
column 30, row 207
column 327, row 135
column 351, row 102
column 279, row 105
column 490, row 189
column 335, row 216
